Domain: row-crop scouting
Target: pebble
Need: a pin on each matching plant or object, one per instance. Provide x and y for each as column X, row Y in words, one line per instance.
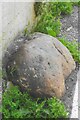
column 68, row 29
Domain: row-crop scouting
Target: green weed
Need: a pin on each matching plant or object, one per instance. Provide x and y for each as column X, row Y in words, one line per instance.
column 47, row 24
column 21, row 105
column 48, row 16
column 73, row 48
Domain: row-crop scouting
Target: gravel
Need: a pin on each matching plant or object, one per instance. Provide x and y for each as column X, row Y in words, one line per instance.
column 70, row 83
column 69, row 30
column 70, row 25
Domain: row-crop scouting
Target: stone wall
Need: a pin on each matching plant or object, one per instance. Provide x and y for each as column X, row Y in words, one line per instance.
column 15, row 17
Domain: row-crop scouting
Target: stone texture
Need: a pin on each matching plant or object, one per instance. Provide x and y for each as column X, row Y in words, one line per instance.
column 40, row 64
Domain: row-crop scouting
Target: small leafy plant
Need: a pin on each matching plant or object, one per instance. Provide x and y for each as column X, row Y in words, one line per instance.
column 21, row 105
column 48, row 16
column 47, row 24
column 56, row 8
column 73, row 48
column 76, row 3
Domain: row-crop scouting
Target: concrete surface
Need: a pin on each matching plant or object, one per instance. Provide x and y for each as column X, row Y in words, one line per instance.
column 76, row 101
column 74, row 113
column 15, row 17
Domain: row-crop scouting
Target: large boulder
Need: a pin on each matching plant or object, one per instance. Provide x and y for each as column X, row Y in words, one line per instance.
column 40, row 64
